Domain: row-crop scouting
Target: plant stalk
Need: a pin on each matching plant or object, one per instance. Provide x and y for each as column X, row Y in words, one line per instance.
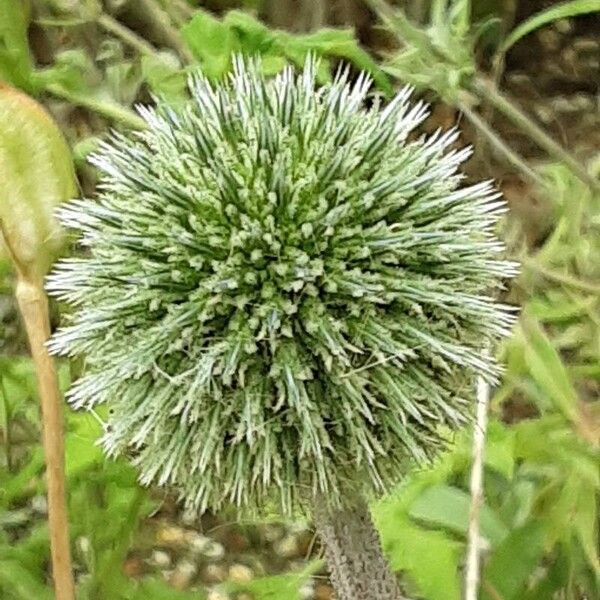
column 487, row 92
column 359, row 570
column 110, row 110
column 33, row 305
column 473, row 563
column 500, row 146
column 126, row 35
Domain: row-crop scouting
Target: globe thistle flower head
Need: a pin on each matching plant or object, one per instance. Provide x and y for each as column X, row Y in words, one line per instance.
column 283, row 293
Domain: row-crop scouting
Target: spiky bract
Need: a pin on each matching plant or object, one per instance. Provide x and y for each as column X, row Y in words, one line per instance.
column 282, row 294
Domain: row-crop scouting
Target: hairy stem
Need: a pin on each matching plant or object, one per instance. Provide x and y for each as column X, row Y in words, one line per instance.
column 33, row 305
column 110, row 110
column 126, row 35
column 500, row 146
column 359, row 571
column 474, row 543
column 487, row 92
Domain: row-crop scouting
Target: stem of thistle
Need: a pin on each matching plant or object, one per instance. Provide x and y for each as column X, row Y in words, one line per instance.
column 359, row 570
column 33, row 305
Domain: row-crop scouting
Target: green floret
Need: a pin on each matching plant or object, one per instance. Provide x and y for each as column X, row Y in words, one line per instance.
column 283, row 293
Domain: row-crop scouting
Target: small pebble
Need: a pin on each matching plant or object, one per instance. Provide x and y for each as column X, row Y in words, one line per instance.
column 323, row 592
column 213, row 550
column 217, row 595
column 171, row 536
column 183, row 574
column 550, row 39
column 586, row 45
column 307, row 591
column 272, row 532
column 189, row 518
column 563, row 104
column 544, row 114
column 198, row 542
column 133, row 567
column 83, row 545
column 39, row 505
column 214, row 574
column 286, row 547
column 160, row 559
column 240, row 574
column 563, row 26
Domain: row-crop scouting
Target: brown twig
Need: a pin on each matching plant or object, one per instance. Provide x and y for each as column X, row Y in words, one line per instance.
column 33, row 305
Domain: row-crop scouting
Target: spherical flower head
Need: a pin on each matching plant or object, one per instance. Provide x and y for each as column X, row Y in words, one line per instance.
column 284, row 294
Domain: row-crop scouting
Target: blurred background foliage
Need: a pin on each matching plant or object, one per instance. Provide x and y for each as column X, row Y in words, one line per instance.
column 525, row 75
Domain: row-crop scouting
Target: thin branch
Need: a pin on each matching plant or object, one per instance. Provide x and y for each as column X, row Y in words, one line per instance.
column 126, row 35
column 487, row 92
column 33, row 305
column 161, row 20
column 110, row 110
column 501, row 147
column 473, row 540
column 562, row 278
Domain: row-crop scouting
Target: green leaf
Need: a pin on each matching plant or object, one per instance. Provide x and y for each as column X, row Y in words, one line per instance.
column 449, row 507
column 339, row 43
column 21, row 583
column 499, row 449
column 211, row 42
column 514, row 560
column 547, row 369
column 36, row 174
column 253, row 36
column 585, row 522
column 81, row 449
column 164, row 75
column 16, row 63
column 429, row 558
column 559, row 11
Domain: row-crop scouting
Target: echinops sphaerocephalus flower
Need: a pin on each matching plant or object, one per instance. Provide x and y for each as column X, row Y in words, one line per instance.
column 284, row 294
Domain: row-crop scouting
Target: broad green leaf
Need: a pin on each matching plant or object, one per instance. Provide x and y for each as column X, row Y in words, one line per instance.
column 585, row 522
column 339, row 43
column 81, row 449
column 211, row 42
column 556, row 12
column 499, row 449
column 448, row 507
column 547, row 369
column 21, row 583
column 514, row 560
column 429, row 559
column 36, row 174
column 164, row 76
column 253, row 36
column 16, row 63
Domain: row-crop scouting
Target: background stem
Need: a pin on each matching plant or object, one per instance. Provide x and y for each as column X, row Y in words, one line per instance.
column 486, row 91
column 110, row 110
column 479, row 431
column 33, row 305
column 359, row 570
